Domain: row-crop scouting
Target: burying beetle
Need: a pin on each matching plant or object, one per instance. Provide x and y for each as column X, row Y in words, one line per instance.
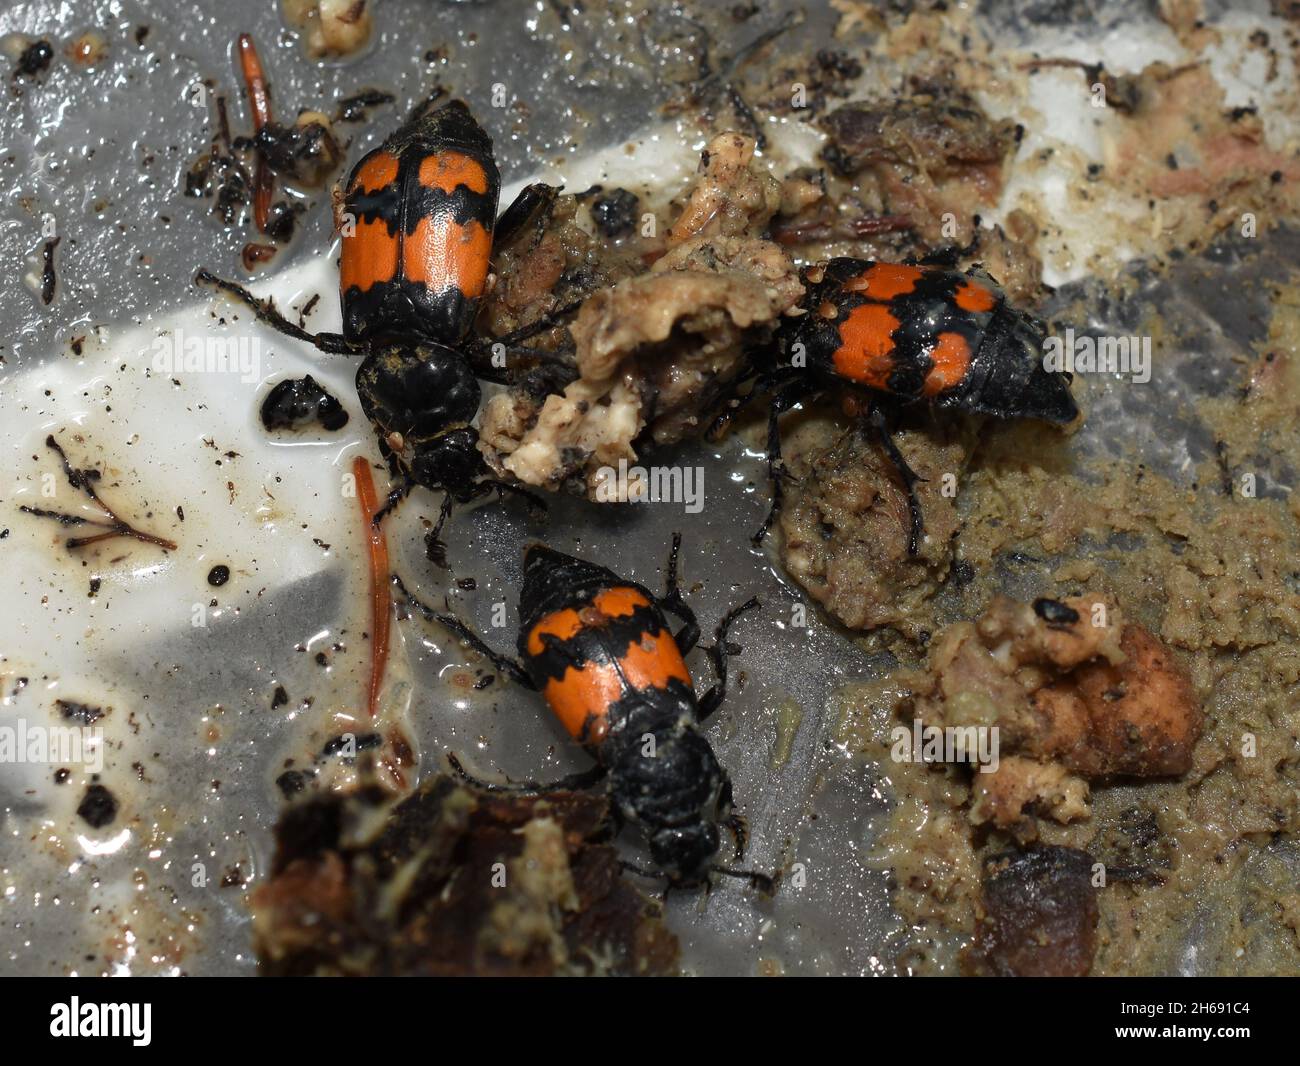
column 413, row 268
column 599, row 649
column 923, row 333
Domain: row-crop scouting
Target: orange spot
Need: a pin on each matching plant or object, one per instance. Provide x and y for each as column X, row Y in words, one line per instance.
column 377, row 172
column 972, row 297
column 448, row 170
column 951, row 358
column 611, row 603
column 369, row 256
column 458, row 255
column 582, row 697
column 884, row 281
column 619, row 602
column 865, row 354
column 562, row 625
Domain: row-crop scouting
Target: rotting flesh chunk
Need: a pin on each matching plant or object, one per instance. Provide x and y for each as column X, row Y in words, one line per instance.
column 1040, row 915
column 450, row 881
column 1076, row 693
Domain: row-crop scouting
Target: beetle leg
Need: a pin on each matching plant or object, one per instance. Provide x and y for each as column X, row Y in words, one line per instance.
column 394, row 499
column 689, row 635
column 576, row 782
column 876, row 419
column 734, row 403
column 533, row 204
column 535, row 503
column 481, row 360
column 674, row 603
column 502, row 663
column 765, row 883
column 650, row 875
column 712, row 699
column 435, row 548
column 734, row 823
column 738, row 827
column 511, row 339
column 792, row 394
column 265, row 310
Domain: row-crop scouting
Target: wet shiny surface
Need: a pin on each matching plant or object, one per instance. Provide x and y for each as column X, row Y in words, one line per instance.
column 195, row 736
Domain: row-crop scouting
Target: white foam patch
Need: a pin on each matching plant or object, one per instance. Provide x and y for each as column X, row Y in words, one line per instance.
column 162, row 435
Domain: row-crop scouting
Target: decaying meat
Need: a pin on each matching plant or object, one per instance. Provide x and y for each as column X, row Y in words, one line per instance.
column 1040, row 915
column 549, row 266
column 731, row 197
column 1019, row 784
column 1183, row 145
column 330, row 27
column 800, row 191
column 846, row 525
column 701, row 287
column 305, row 152
column 1008, row 253
column 587, row 427
column 705, row 299
column 654, row 351
column 1074, row 692
column 926, row 156
column 453, row 882
column 1138, row 717
column 1058, row 633
column 937, row 138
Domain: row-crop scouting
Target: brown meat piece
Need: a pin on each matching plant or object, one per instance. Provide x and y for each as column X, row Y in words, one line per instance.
column 731, row 197
column 304, row 913
column 450, row 881
column 985, row 673
column 1008, row 252
column 653, row 354
column 920, row 159
column 1019, row 785
column 1137, row 717
column 1070, row 700
column 1040, row 915
column 551, row 264
column 654, row 351
column 1056, row 633
column 846, row 526
column 1217, row 150
column 937, row 138
column 751, row 280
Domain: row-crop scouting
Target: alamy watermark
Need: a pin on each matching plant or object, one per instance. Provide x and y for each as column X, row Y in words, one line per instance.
column 175, row 353
column 974, row 744
column 78, row 1019
column 1130, row 356
column 655, row 484
column 54, row 745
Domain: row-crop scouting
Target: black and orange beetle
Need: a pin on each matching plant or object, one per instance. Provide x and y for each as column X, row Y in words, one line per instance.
column 914, row 333
column 420, row 211
column 599, row 649
column 417, row 217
